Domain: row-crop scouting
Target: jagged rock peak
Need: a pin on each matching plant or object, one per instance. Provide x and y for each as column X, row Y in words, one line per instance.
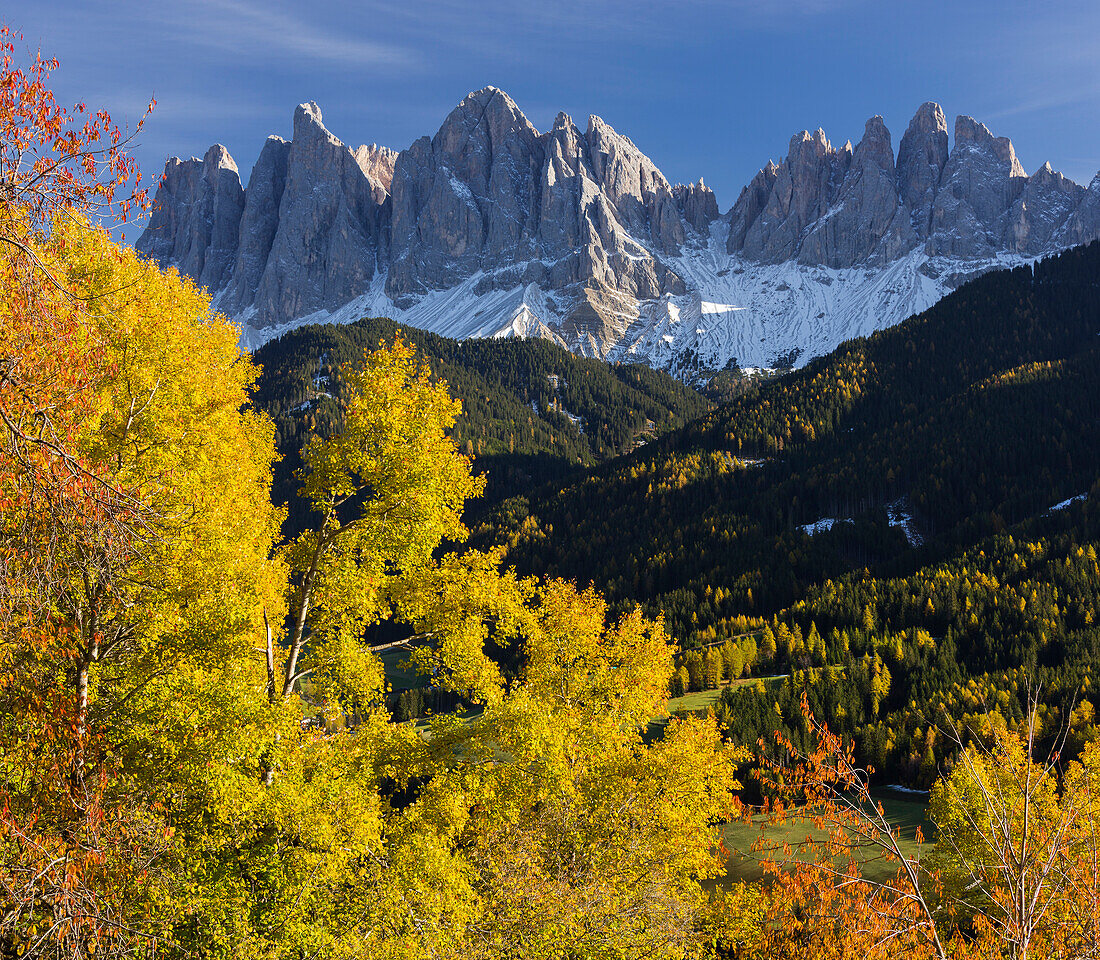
column 1047, row 174
column 929, row 123
column 876, row 143
column 259, row 223
column 1084, row 225
column 377, row 163
column 219, row 158
column 619, row 164
column 331, row 231
column 979, row 185
column 769, row 221
column 922, row 155
column 697, row 203
column 970, row 131
column 464, row 200
column 307, row 112
column 196, row 217
column 488, row 107
column 308, row 124
column 818, row 139
column 929, row 118
column 875, row 148
column 865, row 222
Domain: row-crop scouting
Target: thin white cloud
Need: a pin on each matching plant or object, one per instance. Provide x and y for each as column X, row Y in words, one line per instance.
column 514, row 29
column 1056, row 97
column 248, row 28
column 1053, row 60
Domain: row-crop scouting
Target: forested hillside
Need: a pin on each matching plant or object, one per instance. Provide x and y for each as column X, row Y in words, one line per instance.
column 532, row 412
column 883, row 498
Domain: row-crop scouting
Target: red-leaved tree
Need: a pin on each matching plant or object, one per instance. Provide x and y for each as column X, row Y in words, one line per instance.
column 56, row 165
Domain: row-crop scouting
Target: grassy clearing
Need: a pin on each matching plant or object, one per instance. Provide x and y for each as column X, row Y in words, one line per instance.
column 737, row 838
column 399, row 676
column 697, row 700
column 701, row 699
column 743, row 865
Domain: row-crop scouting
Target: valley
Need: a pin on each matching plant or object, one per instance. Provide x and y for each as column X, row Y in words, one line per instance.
column 493, row 550
column 865, row 513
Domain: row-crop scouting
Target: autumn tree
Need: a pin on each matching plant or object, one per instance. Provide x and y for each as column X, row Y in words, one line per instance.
column 1017, row 842
column 387, row 490
column 1013, row 872
column 541, row 818
column 134, row 535
column 135, row 619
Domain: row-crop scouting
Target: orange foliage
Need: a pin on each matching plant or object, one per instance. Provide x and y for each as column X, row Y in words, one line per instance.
column 55, row 164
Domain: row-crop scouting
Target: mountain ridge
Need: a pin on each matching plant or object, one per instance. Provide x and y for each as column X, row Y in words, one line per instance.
column 491, row 228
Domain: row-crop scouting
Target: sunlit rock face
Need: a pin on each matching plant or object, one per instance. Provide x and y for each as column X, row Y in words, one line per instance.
column 493, row 228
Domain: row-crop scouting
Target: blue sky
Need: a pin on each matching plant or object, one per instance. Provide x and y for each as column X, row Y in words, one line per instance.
column 705, row 87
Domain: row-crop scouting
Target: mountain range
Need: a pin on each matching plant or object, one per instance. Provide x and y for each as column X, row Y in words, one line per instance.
column 491, row 228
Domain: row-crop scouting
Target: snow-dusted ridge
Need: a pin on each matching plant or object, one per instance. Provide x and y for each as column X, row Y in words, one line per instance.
column 734, row 310
column 492, row 228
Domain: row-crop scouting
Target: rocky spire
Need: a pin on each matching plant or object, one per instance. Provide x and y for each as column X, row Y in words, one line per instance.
column 642, row 197
column 750, row 204
column 377, row 163
column 805, row 186
column 196, row 218
column 1084, row 224
column 922, row 155
column 697, row 205
column 259, row 223
column 1041, row 211
column 465, row 198
column 563, row 209
column 330, row 231
column 866, row 223
column 981, row 180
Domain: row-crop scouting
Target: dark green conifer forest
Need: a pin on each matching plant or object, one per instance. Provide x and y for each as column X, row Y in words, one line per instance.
column 934, row 452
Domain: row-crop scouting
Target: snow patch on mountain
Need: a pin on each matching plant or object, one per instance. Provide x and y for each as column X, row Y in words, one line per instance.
column 460, row 312
column 1065, row 504
column 898, row 515
column 734, row 310
column 822, row 525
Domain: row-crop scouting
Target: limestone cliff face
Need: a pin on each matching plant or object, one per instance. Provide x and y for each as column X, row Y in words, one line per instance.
column 377, row 163
column 306, row 235
column 464, row 200
column 575, row 232
column 922, row 155
column 1041, row 212
column 802, row 193
column 259, row 224
column 750, row 204
column 1084, row 223
column 196, row 222
column 331, row 230
column 867, row 222
column 980, row 182
column 698, row 205
column 566, row 210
